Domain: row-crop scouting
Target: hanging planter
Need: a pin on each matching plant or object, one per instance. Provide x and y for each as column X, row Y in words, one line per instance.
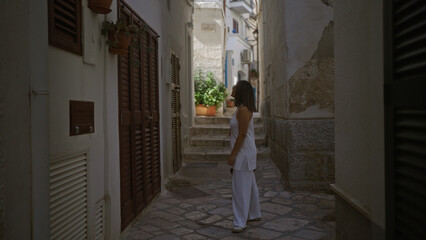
column 120, row 36
column 100, row 6
column 122, row 40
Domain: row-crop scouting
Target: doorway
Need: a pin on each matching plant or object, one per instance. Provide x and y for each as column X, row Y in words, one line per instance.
column 176, row 107
column 139, row 130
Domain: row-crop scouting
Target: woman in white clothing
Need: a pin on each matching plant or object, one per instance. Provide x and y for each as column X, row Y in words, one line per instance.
column 245, row 195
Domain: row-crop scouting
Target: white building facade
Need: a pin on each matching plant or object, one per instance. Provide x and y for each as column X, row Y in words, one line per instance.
column 223, row 39
column 240, row 42
column 209, row 37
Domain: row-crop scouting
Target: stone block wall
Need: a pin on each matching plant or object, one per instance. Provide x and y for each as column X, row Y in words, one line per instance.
column 297, row 69
column 304, row 152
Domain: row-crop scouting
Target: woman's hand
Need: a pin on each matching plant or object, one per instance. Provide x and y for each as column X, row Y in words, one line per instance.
column 231, row 160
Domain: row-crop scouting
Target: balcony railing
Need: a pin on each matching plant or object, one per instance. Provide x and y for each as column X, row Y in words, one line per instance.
column 248, row 2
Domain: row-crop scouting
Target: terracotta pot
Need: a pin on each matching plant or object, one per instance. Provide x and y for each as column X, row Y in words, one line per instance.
column 123, row 43
column 230, row 103
column 200, row 110
column 211, row 111
column 100, row 6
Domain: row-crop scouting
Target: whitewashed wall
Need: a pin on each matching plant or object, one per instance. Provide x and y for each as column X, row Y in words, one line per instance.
column 209, row 48
column 177, row 36
column 73, row 78
column 23, row 148
column 86, row 78
column 236, row 43
column 359, row 105
column 32, row 132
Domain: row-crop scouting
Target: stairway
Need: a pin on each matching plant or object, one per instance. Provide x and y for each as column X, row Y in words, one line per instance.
column 210, row 141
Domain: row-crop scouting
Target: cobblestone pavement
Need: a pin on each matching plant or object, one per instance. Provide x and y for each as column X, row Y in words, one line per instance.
column 198, row 206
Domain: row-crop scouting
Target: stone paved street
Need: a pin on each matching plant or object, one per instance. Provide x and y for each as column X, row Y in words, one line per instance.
column 197, row 205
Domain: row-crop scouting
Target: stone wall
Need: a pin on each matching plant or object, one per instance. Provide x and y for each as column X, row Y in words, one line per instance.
column 297, row 69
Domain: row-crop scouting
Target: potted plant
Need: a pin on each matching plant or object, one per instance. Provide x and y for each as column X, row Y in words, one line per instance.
column 100, row 6
column 120, row 35
column 254, row 73
column 208, row 94
column 230, row 102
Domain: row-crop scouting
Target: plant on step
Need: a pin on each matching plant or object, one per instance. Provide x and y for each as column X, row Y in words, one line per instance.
column 207, row 91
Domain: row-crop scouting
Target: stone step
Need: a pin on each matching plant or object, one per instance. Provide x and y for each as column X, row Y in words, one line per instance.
column 215, row 154
column 219, row 129
column 220, row 140
column 221, row 120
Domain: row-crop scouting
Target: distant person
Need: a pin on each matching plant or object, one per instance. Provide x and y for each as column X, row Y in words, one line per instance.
column 245, row 195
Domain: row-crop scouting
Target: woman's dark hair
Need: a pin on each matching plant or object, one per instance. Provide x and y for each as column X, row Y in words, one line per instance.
column 244, row 95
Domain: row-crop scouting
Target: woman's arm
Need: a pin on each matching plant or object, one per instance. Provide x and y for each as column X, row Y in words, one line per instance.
column 243, row 117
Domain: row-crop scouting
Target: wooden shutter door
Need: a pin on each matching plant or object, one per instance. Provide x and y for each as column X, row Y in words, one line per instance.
column 405, row 105
column 139, row 121
column 155, row 114
column 126, row 135
column 151, row 130
column 176, row 106
column 147, row 118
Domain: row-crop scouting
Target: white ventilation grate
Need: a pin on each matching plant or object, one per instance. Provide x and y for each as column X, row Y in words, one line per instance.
column 100, row 220
column 246, row 55
column 68, row 197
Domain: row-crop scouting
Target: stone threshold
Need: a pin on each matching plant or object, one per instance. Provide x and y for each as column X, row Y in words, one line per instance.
column 351, row 200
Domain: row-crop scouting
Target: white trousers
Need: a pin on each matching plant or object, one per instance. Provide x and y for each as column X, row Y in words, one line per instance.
column 245, row 196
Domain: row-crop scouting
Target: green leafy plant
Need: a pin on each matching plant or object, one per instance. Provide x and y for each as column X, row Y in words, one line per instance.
column 254, row 73
column 207, row 91
column 113, row 31
column 110, row 28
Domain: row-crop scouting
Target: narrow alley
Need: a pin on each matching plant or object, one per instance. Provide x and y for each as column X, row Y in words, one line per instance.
column 198, row 205
column 115, row 119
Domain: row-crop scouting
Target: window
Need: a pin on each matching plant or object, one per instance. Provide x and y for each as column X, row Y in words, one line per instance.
column 235, row 26
column 65, row 25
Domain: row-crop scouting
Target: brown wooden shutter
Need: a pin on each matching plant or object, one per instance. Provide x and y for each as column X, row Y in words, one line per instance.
column 146, row 101
column 235, row 27
column 405, row 106
column 126, row 135
column 65, row 25
column 176, row 105
column 155, row 123
column 139, row 123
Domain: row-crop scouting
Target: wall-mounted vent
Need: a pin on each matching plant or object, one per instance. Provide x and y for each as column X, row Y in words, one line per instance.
column 68, row 197
column 246, row 56
column 100, row 220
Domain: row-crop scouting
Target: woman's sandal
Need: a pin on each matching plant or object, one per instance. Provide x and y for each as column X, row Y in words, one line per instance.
column 254, row 219
column 237, row 229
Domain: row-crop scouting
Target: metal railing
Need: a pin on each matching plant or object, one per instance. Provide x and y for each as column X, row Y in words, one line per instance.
column 248, row 2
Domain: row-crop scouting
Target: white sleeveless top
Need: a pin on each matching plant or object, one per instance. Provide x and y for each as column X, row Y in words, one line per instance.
column 248, row 152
